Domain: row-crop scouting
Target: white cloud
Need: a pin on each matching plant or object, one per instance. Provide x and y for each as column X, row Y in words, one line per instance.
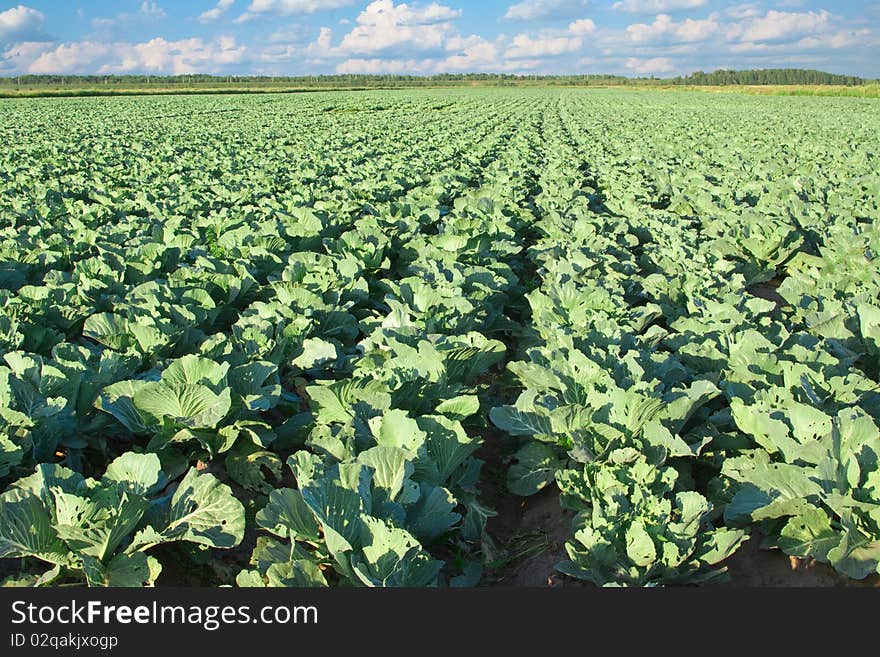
column 743, row 11
column 290, row 7
column 665, row 29
column 692, row 31
column 472, row 54
column 425, row 36
column 151, row 10
column 19, row 23
column 644, row 32
column 213, row 14
column 816, row 43
column 69, row 58
column 837, row 40
column 154, row 56
column 582, row 27
column 781, row 25
column 750, row 30
column 650, row 66
column 379, row 66
column 656, row 6
column 550, row 43
column 402, row 31
column 382, row 26
column 482, row 57
column 523, row 66
column 525, row 47
column 531, row 9
column 20, row 56
column 742, row 36
column 323, row 45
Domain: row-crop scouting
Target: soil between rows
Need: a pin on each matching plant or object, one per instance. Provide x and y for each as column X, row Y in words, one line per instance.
column 529, row 536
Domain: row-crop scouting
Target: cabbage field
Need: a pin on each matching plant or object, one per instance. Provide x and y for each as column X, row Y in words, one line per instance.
column 323, row 339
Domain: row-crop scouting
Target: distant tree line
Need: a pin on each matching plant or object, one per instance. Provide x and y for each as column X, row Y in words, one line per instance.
column 700, row 78
column 766, row 77
column 303, row 81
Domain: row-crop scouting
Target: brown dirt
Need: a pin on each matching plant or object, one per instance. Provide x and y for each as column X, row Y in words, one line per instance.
column 753, row 567
column 530, row 535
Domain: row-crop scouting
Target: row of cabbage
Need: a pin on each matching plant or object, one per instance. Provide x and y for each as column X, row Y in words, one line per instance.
column 389, row 473
column 255, row 303
column 676, row 409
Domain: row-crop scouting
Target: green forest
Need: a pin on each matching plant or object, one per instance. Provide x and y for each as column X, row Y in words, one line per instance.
column 700, row 78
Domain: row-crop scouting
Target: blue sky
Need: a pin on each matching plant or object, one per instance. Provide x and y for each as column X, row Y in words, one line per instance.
column 296, row 37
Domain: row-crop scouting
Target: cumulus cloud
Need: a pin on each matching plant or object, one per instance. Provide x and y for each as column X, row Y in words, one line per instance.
column 829, row 41
column 479, row 55
column 741, row 36
column 550, row 43
column 323, row 45
column 526, row 47
column 582, row 27
column 781, row 25
column 838, row 40
column 471, row 54
column 68, row 58
column 222, row 7
column 743, row 11
column 383, row 26
column 656, row 6
column 750, row 32
column 20, row 23
column 528, row 10
column 422, row 39
column 19, row 56
column 425, row 38
column 650, row 66
column 665, row 28
column 378, row 66
column 155, row 56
